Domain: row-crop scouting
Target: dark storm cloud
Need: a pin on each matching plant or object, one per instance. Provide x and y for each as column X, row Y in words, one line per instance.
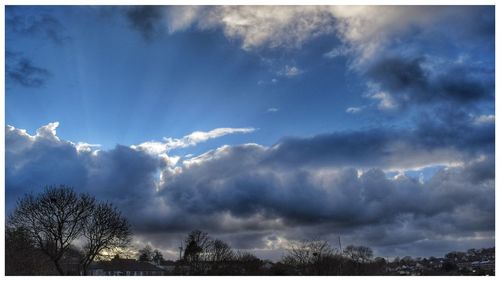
column 447, row 134
column 291, row 190
column 482, row 171
column 121, row 175
column 145, row 19
column 41, row 25
column 370, row 209
column 399, row 74
column 408, row 82
column 22, row 71
column 136, row 170
column 425, row 57
column 248, row 240
column 37, row 161
column 310, row 197
column 449, row 126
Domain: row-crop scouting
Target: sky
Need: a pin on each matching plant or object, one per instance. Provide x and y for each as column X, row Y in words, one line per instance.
column 261, row 125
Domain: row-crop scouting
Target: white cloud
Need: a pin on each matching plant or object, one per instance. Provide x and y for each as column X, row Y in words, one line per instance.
column 257, row 26
column 223, row 151
column 273, row 109
column 20, row 132
column 290, row 71
column 152, row 147
column 180, row 18
column 354, row 110
column 363, row 29
column 200, row 136
column 86, row 147
column 156, row 148
column 337, row 52
column 48, row 131
column 386, row 102
column 484, row 119
column 267, row 82
column 207, row 156
column 366, row 29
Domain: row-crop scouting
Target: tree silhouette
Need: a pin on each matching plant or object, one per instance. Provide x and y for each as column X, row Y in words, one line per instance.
column 358, row 254
column 308, row 256
column 22, row 257
column 53, row 219
column 220, row 254
column 220, row 251
column 58, row 216
column 104, row 229
column 197, row 243
column 146, row 253
column 157, row 257
column 196, row 252
column 192, row 251
column 248, row 262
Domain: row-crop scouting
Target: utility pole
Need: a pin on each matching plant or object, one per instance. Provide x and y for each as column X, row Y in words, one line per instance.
column 341, row 257
column 340, row 245
column 180, row 251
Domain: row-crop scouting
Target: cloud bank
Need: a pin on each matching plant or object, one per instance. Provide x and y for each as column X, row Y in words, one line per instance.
column 327, row 185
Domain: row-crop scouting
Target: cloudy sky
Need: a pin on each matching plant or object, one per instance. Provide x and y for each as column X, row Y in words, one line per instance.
column 261, row 124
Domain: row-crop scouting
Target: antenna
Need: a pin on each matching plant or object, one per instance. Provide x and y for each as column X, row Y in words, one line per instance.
column 340, row 265
column 180, row 251
column 340, row 245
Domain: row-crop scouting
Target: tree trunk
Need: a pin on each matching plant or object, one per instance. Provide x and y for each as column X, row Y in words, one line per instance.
column 58, row 267
column 86, row 264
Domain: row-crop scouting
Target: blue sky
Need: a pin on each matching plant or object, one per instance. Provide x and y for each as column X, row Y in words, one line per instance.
column 305, row 94
column 109, row 86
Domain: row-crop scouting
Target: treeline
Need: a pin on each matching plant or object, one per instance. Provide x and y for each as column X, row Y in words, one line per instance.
column 203, row 255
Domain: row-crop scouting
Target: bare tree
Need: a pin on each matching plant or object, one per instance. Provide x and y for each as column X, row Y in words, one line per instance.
column 53, row 219
column 360, row 254
column 146, row 253
column 249, row 262
column 197, row 244
column 220, row 255
column 308, row 256
column 22, row 257
column 157, row 257
column 104, row 229
column 219, row 251
column 196, row 252
column 307, row 252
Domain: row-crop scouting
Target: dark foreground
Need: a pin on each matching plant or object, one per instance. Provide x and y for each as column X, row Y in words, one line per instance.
column 305, row 258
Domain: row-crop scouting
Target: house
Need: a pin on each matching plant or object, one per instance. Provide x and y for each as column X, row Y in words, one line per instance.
column 168, row 266
column 485, row 265
column 267, row 265
column 124, row 267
